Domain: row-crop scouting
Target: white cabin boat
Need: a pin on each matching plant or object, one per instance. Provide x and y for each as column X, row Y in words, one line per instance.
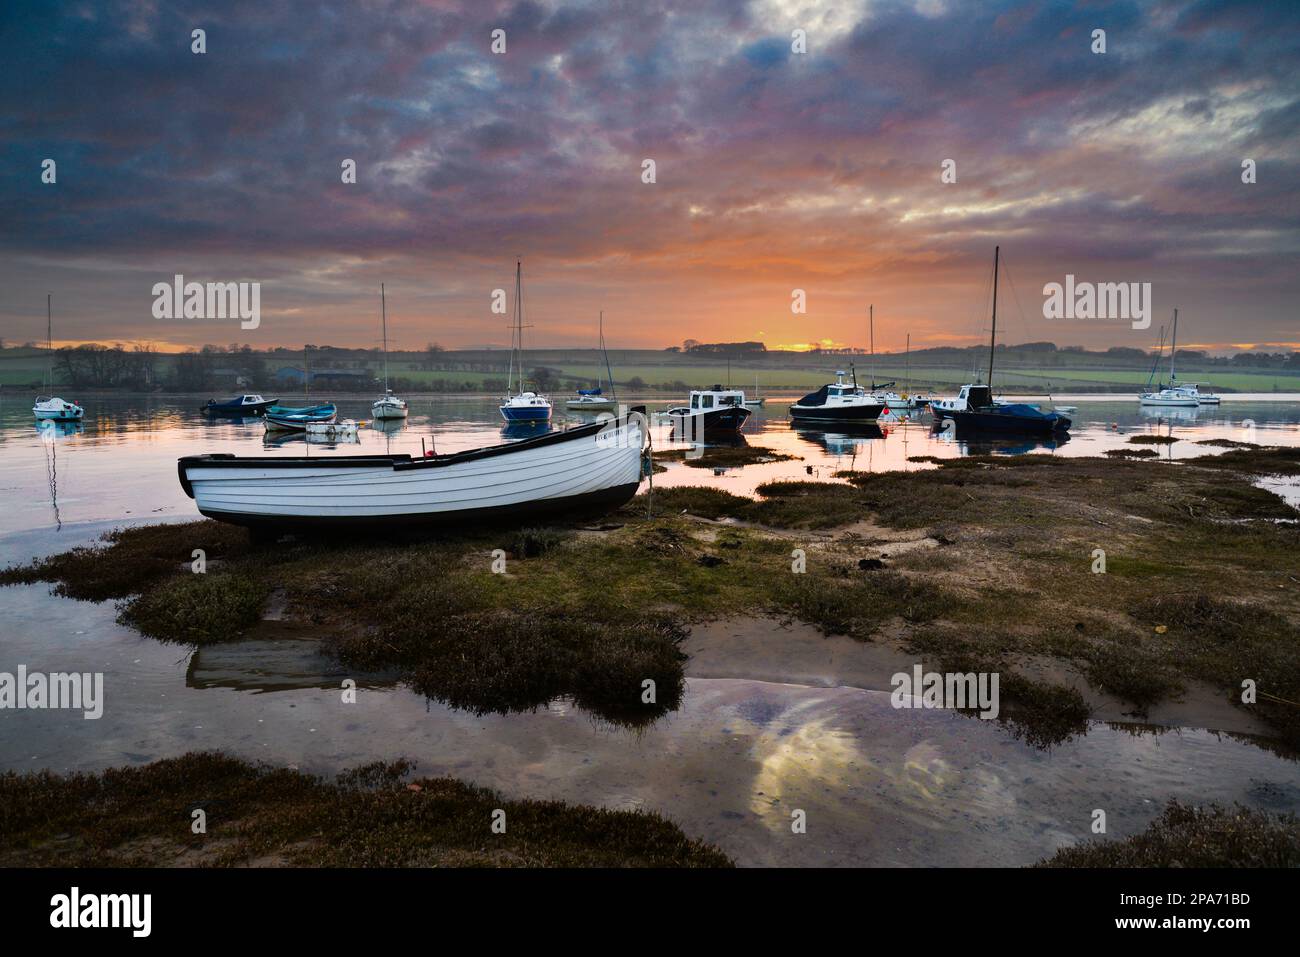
column 389, row 407
column 57, row 410
column 593, row 466
column 710, row 411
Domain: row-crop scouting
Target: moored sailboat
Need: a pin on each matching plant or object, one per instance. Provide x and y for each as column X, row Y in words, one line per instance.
column 974, row 410
column 1173, row 395
column 389, row 406
column 522, row 406
column 53, row 408
column 595, row 400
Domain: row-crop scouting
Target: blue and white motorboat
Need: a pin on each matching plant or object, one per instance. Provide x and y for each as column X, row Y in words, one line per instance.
column 240, row 405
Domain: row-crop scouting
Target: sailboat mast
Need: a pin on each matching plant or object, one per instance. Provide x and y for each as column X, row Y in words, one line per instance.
column 907, row 365
column 1173, row 350
column 608, row 371
column 383, row 310
column 49, row 343
column 519, row 319
column 871, row 311
column 993, row 338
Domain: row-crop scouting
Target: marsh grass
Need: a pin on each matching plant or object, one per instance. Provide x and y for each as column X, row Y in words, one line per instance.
column 724, row 456
column 1185, row 836
column 1152, row 439
column 373, row 816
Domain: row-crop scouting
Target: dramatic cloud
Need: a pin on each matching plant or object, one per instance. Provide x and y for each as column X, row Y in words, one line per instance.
column 775, row 169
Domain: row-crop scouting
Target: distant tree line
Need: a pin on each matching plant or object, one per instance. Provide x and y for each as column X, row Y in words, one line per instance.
column 107, row 367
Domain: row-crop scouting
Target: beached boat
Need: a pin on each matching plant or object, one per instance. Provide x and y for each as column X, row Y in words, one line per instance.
column 975, row 411
column 715, row 410
column 597, row 466
column 388, row 406
column 52, row 408
column 840, row 401
column 521, row 406
column 251, row 404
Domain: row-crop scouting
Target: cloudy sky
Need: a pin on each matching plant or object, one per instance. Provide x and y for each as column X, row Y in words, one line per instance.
column 775, row 170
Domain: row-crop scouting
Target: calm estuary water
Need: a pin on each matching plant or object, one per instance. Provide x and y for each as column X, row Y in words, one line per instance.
column 774, row 719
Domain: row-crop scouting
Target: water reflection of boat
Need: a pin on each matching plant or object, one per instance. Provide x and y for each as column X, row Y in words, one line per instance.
column 845, row 440
column 588, row 468
column 275, row 440
column 1175, row 413
column 51, row 431
column 524, row 430
column 988, row 445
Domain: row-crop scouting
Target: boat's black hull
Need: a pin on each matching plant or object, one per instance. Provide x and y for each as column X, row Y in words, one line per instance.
column 729, row 419
column 860, row 414
column 572, row 506
column 993, row 423
column 235, row 411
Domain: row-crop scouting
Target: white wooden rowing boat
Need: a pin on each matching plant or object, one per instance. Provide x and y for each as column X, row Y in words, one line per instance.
column 593, row 466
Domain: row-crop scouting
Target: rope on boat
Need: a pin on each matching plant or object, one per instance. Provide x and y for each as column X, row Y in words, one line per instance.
column 647, row 454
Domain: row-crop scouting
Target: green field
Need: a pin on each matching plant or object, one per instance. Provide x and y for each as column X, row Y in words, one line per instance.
column 778, row 373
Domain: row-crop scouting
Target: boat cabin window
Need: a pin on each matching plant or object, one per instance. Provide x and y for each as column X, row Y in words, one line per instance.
column 695, row 402
column 708, row 402
column 980, row 395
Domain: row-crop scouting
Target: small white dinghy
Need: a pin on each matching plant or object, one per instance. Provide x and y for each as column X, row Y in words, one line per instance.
column 597, row 466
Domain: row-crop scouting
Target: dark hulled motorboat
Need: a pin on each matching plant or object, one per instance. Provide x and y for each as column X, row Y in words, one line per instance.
column 712, row 411
column 841, row 401
column 239, row 405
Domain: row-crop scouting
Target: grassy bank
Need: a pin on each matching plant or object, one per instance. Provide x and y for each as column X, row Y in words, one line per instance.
column 374, row 816
column 1195, row 837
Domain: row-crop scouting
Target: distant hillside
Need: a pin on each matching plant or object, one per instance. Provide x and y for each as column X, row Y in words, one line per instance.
column 1031, row 367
